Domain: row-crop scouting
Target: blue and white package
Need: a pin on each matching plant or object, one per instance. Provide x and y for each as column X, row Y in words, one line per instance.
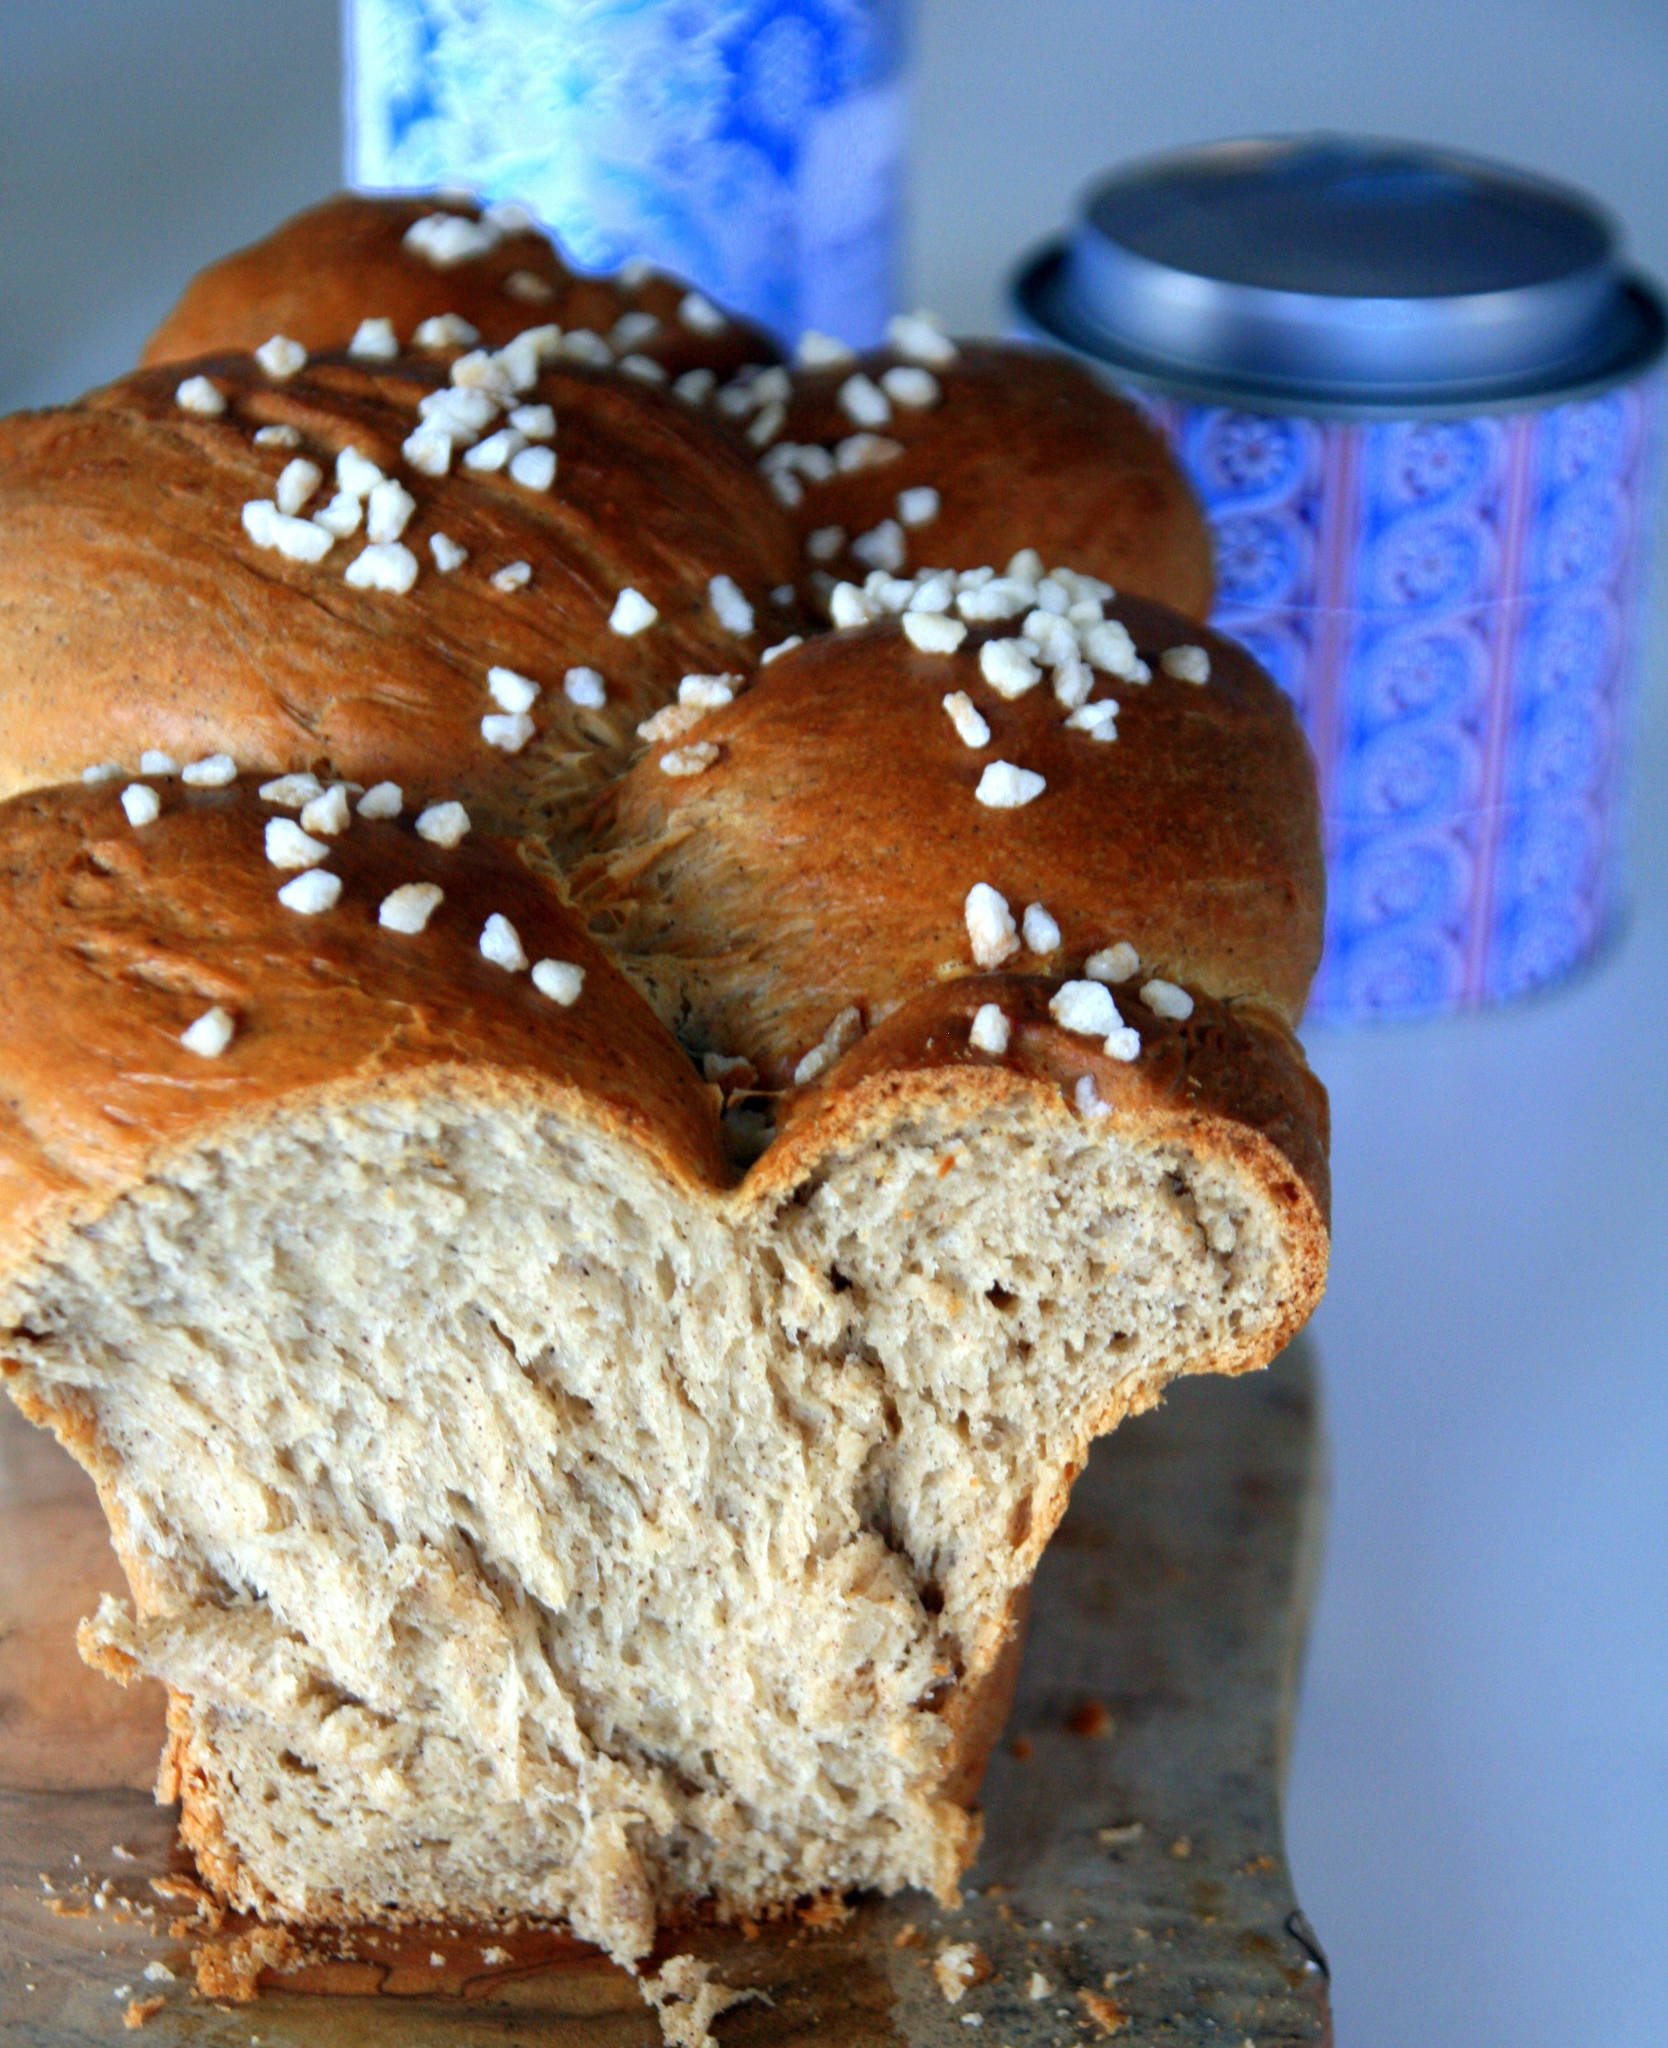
column 752, row 146
column 1418, row 397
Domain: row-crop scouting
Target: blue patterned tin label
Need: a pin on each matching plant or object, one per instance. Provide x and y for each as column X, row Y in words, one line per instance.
column 1454, row 607
column 753, row 146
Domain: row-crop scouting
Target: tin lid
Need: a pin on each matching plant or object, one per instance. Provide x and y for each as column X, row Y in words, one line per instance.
column 1347, row 272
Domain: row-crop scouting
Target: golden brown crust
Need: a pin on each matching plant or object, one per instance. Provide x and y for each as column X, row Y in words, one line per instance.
column 824, row 861
column 1025, row 449
column 323, row 271
column 1229, row 1079
column 119, row 937
column 137, row 612
column 978, row 1709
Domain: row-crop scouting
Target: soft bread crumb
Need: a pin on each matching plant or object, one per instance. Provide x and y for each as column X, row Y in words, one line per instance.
column 687, row 2000
column 958, row 1968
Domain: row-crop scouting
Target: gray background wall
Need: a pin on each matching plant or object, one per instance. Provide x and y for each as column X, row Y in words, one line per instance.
column 1479, row 1809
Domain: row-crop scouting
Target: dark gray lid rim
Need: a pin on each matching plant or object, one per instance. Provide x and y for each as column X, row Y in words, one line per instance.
column 1040, row 296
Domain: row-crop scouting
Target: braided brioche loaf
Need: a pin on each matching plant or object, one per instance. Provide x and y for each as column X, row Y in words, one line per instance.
column 584, row 1270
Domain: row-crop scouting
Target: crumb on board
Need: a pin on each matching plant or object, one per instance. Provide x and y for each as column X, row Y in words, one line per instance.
column 1109, row 2017
column 1090, row 1719
column 232, row 1970
column 138, row 2010
column 829, row 1910
column 958, row 1966
column 686, row 2000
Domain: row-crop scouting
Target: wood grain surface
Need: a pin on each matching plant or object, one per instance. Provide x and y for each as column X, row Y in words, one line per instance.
column 1133, row 1862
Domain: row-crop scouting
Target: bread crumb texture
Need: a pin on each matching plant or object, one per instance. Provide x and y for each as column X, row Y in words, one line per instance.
column 687, row 1999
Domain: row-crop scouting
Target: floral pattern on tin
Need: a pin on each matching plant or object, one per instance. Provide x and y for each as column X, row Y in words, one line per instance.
column 753, row 146
column 1453, row 607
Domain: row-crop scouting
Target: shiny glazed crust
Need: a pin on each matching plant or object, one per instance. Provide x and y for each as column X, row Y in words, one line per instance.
column 1021, row 442
column 820, row 865
column 321, row 273
column 1194, row 837
column 137, row 612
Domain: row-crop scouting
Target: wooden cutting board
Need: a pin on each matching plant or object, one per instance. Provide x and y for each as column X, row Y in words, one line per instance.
column 1133, row 1862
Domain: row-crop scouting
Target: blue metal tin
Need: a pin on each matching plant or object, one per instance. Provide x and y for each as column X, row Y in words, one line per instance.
column 752, row 146
column 1415, row 395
